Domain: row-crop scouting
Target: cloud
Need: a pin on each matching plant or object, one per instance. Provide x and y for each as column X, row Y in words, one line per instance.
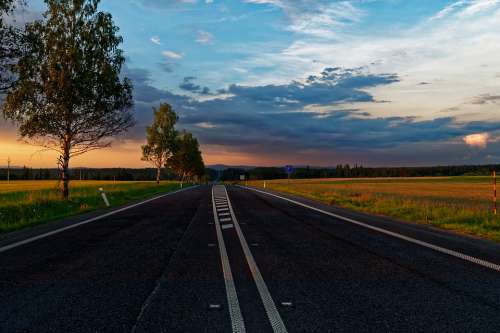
column 162, row 4
column 156, row 40
column 321, row 18
column 205, row 37
column 486, row 99
column 308, row 121
column 167, row 66
column 477, row 140
column 188, row 85
column 332, row 86
column 172, row 55
column 206, row 125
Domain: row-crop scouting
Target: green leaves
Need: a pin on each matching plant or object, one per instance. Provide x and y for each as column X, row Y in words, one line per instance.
column 161, row 136
column 187, row 161
column 69, row 96
column 69, row 86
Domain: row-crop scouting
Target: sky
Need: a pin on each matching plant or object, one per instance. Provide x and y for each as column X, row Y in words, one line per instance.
column 303, row 82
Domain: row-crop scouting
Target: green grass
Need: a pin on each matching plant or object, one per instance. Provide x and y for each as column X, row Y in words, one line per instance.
column 34, row 203
column 461, row 204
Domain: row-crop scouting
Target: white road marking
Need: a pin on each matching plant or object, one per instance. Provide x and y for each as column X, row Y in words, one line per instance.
column 437, row 248
column 227, row 226
column 227, row 219
column 237, row 323
column 269, row 305
column 54, row 232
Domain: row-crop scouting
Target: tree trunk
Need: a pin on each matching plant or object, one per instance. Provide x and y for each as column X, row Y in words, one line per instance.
column 158, row 173
column 65, row 174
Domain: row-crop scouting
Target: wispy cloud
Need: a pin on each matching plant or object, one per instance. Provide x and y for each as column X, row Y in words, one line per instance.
column 205, row 37
column 172, row 55
column 322, row 18
column 156, row 40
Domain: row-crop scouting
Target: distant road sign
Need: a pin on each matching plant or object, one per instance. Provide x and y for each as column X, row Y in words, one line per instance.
column 289, row 169
column 242, row 177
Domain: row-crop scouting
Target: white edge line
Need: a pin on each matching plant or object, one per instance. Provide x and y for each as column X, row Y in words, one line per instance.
column 53, row 232
column 267, row 300
column 237, row 322
column 437, row 248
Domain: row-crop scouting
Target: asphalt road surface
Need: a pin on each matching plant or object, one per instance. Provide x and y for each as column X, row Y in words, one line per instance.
column 232, row 259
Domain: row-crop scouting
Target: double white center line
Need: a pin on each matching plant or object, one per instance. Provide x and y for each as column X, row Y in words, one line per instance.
column 222, row 204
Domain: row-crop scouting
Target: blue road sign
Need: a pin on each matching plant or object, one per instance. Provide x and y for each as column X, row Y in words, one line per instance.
column 289, row 169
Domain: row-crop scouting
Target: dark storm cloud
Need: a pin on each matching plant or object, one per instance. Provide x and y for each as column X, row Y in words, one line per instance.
column 283, row 119
column 188, row 85
column 333, row 86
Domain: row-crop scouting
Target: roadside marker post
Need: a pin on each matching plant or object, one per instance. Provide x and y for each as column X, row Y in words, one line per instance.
column 8, row 170
column 244, row 178
column 103, row 194
column 494, row 192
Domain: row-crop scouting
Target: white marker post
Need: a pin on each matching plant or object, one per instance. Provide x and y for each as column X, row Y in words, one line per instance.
column 103, row 194
column 494, row 192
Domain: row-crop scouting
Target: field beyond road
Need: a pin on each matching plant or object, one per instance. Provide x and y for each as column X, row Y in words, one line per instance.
column 26, row 203
column 462, row 204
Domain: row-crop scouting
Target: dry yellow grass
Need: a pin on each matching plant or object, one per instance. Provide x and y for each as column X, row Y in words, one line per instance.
column 34, row 185
column 458, row 203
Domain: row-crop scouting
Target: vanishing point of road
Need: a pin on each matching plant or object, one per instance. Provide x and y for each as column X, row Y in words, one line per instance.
column 234, row 259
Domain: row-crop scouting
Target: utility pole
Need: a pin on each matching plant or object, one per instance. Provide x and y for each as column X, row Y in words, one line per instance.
column 8, row 169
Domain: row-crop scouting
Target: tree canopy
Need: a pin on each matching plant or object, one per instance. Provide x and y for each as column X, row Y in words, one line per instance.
column 161, row 138
column 69, row 96
column 11, row 44
column 187, row 161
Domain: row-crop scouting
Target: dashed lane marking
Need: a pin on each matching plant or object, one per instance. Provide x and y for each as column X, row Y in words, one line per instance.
column 269, row 305
column 237, row 323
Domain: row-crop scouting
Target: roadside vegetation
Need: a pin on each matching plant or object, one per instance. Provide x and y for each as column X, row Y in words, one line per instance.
column 27, row 203
column 462, row 204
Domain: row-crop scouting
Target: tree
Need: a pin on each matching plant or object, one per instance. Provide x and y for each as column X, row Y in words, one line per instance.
column 69, row 97
column 161, row 138
column 11, row 44
column 187, row 161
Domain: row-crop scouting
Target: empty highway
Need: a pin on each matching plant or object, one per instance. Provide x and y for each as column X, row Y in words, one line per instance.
column 234, row 259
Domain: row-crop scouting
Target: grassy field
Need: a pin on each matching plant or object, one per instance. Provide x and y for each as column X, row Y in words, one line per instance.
column 461, row 204
column 26, row 203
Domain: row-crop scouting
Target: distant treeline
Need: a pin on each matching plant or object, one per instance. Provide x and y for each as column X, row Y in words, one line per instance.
column 26, row 173
column 347, row 171
column 231, row 174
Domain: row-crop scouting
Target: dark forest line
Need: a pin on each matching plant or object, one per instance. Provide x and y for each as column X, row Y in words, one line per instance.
column 257, row 173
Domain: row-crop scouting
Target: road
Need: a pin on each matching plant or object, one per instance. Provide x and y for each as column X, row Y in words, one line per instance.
column 232, row 259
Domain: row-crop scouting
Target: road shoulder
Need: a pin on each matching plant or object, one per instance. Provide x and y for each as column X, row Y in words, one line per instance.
column 39, row 230
column 473, row 246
